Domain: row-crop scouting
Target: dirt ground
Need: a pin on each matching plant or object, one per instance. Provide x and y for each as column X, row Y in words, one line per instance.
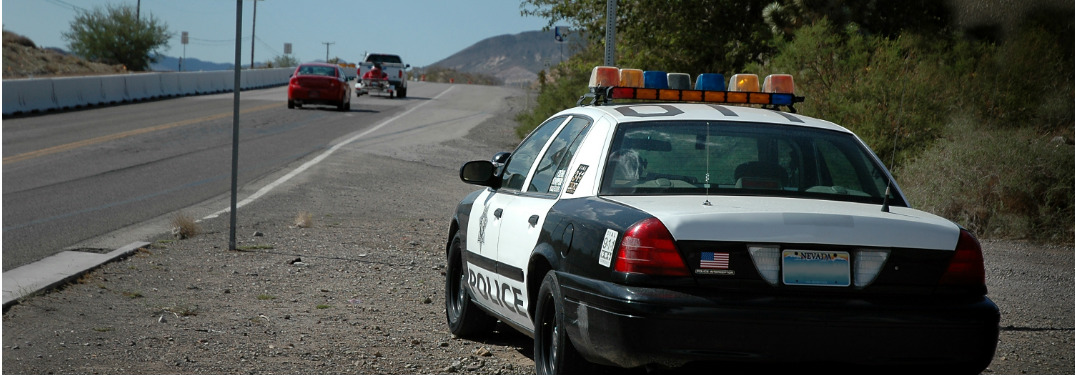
column 361, row 289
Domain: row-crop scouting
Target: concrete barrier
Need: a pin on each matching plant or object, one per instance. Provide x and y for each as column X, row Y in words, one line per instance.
column 188, row 83
column 113, row 89
column 142, row 86
column 33, row 95
column 44, row 94
column 214, row 82
column 170, row 85
column 77, row 92
column 11, row 98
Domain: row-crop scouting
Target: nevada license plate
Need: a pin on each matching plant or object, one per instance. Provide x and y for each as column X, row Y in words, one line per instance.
column 816, row 268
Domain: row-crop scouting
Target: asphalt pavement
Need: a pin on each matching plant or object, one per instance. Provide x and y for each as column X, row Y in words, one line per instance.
column 66, row 266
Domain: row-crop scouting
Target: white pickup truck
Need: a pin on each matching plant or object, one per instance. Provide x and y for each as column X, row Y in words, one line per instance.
column 382, row 74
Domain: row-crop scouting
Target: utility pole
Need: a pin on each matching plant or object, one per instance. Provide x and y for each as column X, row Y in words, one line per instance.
column 235, row 122
column 610, row 33
column 253, row 34
column 138, row 11
column 326, row 49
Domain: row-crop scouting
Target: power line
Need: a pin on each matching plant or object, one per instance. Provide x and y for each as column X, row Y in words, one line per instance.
column 268, row 46
column 65, row 4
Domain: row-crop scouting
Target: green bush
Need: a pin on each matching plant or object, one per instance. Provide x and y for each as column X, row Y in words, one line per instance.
column 1026, row 82
column 894, row 93
column 1012, row 183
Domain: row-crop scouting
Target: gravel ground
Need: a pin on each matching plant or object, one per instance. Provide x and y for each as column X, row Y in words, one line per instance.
column 359, row 288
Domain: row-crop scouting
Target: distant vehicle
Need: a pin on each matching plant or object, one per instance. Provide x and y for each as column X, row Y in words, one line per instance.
column 683, row 229
column 319, row 83
column 382, row 74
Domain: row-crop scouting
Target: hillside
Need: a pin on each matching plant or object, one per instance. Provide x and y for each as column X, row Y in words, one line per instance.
column 23, row 59
column 511, row 58
column 171, row 64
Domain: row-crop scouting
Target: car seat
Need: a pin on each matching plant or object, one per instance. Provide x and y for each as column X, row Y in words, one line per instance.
column 760, row 175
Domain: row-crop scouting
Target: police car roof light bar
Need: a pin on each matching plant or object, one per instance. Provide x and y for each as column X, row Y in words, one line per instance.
column 607, row 83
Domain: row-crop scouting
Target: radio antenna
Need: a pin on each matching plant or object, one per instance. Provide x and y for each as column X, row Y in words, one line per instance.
column 888, row 188
column 707, row 185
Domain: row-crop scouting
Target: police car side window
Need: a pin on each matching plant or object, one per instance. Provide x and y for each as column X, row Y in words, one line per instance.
column 524, row 156
column 552, row 167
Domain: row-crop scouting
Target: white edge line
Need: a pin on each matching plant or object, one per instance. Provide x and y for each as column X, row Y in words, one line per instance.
column 267, row 188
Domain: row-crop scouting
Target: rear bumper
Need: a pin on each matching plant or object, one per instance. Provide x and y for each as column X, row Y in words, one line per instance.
column 631, row 326
column 302, row 95
column 367, row 86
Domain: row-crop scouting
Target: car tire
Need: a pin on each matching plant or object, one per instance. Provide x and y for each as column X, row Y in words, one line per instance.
column 403, row 93
column 464, row 316
column 553, row 352
column 290, row 104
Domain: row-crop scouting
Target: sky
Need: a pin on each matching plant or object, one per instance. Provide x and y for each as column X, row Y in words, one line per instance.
column 421, row 31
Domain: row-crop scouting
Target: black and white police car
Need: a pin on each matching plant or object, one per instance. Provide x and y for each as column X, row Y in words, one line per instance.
column 681, row 229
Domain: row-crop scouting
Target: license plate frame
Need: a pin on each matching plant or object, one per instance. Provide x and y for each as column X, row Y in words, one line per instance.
column 815, row 268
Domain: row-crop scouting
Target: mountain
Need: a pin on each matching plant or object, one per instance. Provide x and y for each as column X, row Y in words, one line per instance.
column 171, row 64
column 512, row 58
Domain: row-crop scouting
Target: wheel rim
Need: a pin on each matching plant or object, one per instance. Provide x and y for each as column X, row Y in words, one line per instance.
column 457, row 297
column 550, row 332
column 554, row 347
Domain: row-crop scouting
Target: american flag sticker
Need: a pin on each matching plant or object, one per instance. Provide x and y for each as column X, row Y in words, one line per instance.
column 714, row 260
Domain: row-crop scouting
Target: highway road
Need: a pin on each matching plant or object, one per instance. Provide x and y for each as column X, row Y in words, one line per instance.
column 103, row 177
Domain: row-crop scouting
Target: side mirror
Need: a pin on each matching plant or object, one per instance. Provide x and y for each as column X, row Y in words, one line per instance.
column 478, row 172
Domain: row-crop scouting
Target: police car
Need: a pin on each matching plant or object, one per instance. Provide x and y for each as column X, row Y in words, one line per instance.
column 660, row 224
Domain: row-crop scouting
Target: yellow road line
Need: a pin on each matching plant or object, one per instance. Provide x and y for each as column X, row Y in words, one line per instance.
column 129, row 133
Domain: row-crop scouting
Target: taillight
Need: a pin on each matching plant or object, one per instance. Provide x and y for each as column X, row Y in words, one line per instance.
column 649, row 248
column 401, row 74
column 967, row 267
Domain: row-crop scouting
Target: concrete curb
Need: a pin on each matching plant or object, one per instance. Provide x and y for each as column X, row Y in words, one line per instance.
column 57, row 270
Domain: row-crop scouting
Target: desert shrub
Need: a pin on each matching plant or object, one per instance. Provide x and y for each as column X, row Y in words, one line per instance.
column 895, row 93
column 445, row 75
column 184, row 226
column 1028, row 81
column 1014, row 183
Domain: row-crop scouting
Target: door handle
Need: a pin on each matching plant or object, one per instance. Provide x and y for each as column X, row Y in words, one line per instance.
column 498, row 212
column 533, row 220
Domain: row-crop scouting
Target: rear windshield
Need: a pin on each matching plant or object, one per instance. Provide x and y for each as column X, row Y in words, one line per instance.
column 317, row 70
column 734, row 158
column 384, row 59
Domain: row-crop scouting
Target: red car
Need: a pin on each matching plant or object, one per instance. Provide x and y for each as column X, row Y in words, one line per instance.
column 319, row 83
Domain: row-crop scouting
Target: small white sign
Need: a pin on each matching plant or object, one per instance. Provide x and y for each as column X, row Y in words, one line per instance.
column 557, row 181
column 607, row 246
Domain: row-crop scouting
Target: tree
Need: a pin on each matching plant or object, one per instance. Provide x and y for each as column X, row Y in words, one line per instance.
column 115, row 35
column 689, row 36
column 883, row 17
column 284, row 61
